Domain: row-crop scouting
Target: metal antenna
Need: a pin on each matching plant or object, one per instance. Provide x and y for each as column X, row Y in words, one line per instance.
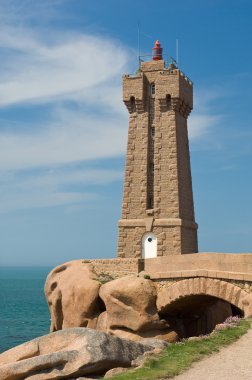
column 138, row 36
column 177, row 51
column 138, row 41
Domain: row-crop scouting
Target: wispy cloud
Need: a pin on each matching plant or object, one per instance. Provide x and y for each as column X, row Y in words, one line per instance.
column 41, row 70
column 202, row 124
column 74, row 138
column 55, row 187
column 56, row 69
column 13, row 201
column 26, row 11
column 204, row 118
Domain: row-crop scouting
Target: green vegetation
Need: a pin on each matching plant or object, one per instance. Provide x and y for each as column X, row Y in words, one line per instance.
column 105, row 277
column 178, row 357
column 146, row 276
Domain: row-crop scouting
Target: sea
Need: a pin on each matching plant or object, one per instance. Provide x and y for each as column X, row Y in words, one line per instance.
column 24, row 313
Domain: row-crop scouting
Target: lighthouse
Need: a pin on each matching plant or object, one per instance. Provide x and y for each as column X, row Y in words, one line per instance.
column 157, row 208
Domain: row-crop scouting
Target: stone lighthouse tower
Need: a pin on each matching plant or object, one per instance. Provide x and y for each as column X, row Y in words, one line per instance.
column 157, row 209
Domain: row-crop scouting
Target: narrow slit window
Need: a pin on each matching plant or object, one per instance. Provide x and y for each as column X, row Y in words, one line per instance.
column 150, row 203
column 153, row 89
column 152, row 132
column 152, row 167
column 168, row 102
column 133, row 104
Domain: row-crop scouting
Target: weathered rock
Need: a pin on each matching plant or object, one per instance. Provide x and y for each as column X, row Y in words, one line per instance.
column 72, row 290
column 167, row 335
column 130, row 306
column 102, row 322
column 76, row 299
column 114, row 371
column 141, row 360
column 247, row 305
column 68, row 353
column 159, row 345
column 155, row 343
column 82, row 378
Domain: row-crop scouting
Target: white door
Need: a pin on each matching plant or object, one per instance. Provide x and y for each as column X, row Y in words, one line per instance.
column 149, row 246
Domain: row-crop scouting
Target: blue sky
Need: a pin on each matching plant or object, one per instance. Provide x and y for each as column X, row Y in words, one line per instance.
column 63, row 126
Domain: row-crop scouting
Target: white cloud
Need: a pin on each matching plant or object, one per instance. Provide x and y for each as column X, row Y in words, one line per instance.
column 203, row 119
column 201, row 124
column 26, row 10
column 70, row 66
column 57, row 177
column 74, row 138
column 50, row 188
column 41, row 70
column 14, row 202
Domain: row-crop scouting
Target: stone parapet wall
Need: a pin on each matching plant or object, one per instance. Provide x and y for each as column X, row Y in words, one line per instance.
column 239, row 276
column 235, row 268
column 116, row 267
column 214, row 265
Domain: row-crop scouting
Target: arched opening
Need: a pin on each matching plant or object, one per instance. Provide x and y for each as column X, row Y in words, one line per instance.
column 149, row 246
column 195, row 315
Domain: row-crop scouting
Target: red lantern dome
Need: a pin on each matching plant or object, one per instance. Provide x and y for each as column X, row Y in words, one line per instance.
column 157, row 52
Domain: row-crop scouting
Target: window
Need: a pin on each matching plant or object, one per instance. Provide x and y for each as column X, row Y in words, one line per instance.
column 153, row 89
column 151, row 167
column 168, row 102
column 152, row 132
column 133, row 104
column 150, row 202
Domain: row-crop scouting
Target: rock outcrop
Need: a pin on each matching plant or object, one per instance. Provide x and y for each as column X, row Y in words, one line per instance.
column 69, row 353
column 130, row 303
column 131, row 310
column 247, row 304
column 124, row 307
column 72, row 291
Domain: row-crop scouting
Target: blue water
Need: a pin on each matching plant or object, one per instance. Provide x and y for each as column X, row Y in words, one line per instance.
column 24, row 312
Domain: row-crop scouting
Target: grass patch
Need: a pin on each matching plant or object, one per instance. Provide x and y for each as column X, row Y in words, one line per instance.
column 178, row 357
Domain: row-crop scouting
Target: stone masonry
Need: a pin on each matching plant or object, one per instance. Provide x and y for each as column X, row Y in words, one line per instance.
column 158, row 193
